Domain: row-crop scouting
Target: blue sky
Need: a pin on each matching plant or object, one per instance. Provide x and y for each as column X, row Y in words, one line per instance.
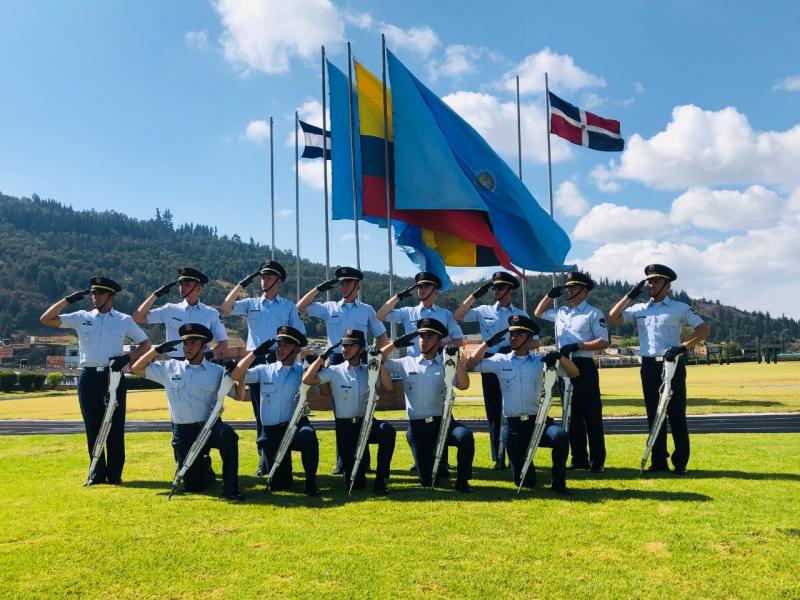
column 134, row 106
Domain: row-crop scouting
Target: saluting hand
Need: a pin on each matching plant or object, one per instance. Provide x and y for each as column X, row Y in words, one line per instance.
column 117, row 363
column 674, row 352
column 168, row 346
column 404, row 341
column 208, row 354
column 568, row 349
column 75, row 296
column 373, row 351
column 482, row 290
column 637, row 289
column 401, row 295
column 551, row 358
column 327, row 285
column 310, row 358
column 555, row 292
column 326, row 355
column 451, row 349
column 264, row 347
column 164, row 289
column 249, row 279
column 497, row 338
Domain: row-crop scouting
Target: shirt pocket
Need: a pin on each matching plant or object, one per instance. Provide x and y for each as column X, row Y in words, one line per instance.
column 665, row 326
column 507, row 378
column 268, row 390
column 176, row 384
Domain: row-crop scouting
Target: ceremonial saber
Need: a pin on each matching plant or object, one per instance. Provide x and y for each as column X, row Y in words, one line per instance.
column 288, row 435
column 114, row 377
column 373, row 372
column 549, row 377
column 668, row 372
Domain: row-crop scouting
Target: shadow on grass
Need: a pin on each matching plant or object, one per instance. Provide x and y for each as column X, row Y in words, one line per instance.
column 638, row 402
column 633, row 474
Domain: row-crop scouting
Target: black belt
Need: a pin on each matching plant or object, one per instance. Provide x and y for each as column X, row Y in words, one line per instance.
column 652, row 359
column 352, row 420
column 424, row 420
column 95, row 369
column 521, row 418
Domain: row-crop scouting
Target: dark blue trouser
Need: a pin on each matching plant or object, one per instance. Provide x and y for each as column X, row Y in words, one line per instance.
column 200, row 475
column 255, row 400
column 676, row 412
column 381, row 433
column 422, row 436
column 493, row 402
column 586, row 421
column 92, row 389
column 517, row 438
column 305, row 441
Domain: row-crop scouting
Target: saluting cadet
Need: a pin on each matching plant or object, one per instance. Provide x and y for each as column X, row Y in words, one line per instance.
column 192, row 384
column 580, row 330
column 348, row 381
column 101, row 332
column 659, row 322
column 521, row 382
column 492, row 318
column 190, row 284
column 280, row 383
column 424, row 387
column 347, row 313
column 428, row 286
column 264, row 315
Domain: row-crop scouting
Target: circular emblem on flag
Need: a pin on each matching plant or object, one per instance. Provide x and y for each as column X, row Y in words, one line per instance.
column 486, row 180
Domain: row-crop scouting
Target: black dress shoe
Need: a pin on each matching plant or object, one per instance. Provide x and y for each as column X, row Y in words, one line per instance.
column 574, row 467
column 119, row 481
column 235, row 497
column 598, row 469
column 561, row 490
column 680, row 471
column 312, row 489
column 463, row 487
column 337, row 471
column 260, row 472
column 657, row 469
column 413, row 469
column 380, row 487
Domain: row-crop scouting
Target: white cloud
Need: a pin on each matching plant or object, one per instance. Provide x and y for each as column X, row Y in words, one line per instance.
column 196, row 39
column 284, row 213
column 608, row 221
column 727, row 210
column 569, row 201
column 604, row 179
column 263, row 35
column 257, row 131
column 788, row 84
column 472, row 274
column 564, row 75
column 351, row 236
column 638, row 87
column 309, row 111
column 756, row 271
column 496, row 121
column 793, row 201
column 311, row 174
column 360, row 20
column 421, row 40
column 460, row 60
column 704, row 148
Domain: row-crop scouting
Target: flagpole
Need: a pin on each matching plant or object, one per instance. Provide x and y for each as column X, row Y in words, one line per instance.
column 549, row 160
column 297, row 199
column 325, row 177
column 272, row 190
column 386, row 169
column 519, row 171
column 353, row 150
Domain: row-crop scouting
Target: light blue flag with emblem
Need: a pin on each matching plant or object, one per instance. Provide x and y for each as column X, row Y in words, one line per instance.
column 441, row 162
column 408, row 238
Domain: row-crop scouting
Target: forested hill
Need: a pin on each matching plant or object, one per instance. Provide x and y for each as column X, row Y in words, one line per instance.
column 47, row 250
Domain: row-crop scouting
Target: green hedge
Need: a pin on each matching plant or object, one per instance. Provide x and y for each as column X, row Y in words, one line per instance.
column 55, row 378
column 31, row 382
column 8, row 380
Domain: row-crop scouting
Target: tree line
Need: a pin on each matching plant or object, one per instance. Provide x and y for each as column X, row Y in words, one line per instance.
column 48, row 249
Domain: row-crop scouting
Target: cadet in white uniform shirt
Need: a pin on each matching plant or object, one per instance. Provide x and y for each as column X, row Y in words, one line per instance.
column 190, row 310
column 280, row 385
column 520, row 378
column 424, row 386
column 264, row 315
column 491, row 319
column 101, row 333
column 659, row 322
column 192, row 385
column 347, row 313
column 348, row 381
column 580, row 330
column 428, row 286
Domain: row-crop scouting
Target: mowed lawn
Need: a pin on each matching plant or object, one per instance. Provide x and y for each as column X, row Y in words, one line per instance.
column 729, row 529
column 747, row 387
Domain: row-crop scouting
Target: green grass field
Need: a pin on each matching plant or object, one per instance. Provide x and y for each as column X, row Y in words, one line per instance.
column 746, row 387
column 729, row 529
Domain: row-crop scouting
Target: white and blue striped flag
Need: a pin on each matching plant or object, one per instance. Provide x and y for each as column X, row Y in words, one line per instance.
column 313, row 140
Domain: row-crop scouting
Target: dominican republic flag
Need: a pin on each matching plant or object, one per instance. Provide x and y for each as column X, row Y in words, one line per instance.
column 584, row 128
column 313, row 138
